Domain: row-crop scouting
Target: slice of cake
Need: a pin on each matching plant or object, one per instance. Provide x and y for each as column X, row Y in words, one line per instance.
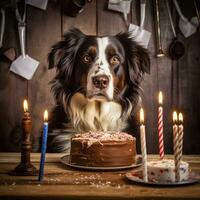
column 103, row 149
column 164, row 171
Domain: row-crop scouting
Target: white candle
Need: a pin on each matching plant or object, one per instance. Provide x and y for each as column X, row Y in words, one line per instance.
column 143, row 145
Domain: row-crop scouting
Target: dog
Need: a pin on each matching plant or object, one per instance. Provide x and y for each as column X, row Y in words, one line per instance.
column 97, row 84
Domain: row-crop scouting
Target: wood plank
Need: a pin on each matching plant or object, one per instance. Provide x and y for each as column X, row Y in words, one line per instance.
column 61, row 183
column 85, row 21
column 59, row 170
column 35, row 157
column 93, row 192
column 12, row 92
column 54, row 157
column 189, row 98
column 44, row 29
column 108, row 22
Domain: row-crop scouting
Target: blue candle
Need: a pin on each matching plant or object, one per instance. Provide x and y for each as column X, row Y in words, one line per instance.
column 44, row 145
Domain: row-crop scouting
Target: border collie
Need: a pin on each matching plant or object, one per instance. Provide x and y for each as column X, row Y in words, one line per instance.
column 97, row 84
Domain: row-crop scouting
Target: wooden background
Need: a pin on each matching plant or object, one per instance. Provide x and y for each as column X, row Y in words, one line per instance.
column 179, row 81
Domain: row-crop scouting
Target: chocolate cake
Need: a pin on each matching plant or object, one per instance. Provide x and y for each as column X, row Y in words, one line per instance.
column 103, row 149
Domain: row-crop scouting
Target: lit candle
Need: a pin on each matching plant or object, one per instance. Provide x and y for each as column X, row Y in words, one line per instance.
column 180, row 134
column 160, row 125
column 176, row 147
column 25, row 167
column 25, row 106
column 143, row 145
column 44, row 145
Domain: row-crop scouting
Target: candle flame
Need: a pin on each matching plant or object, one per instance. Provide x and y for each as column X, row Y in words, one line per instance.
column 180, row 117
column 141, row 115
column 160, row 98
column 25, row 105
column 45, row 115
column 175, row 117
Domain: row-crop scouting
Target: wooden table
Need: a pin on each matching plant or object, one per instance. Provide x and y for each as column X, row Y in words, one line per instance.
column 62, row 182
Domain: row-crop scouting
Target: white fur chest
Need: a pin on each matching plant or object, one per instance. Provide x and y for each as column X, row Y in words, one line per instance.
column 94, row 115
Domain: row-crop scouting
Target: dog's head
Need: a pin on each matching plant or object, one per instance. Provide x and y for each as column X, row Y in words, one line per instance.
column 106, row 68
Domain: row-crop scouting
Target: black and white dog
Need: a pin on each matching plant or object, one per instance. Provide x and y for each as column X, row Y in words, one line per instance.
column 97, row 83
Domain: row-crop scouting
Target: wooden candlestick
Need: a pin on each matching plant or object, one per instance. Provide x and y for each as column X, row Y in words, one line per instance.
column 26, row 168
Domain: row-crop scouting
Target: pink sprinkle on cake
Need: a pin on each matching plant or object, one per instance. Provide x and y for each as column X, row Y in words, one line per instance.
column 92, row 137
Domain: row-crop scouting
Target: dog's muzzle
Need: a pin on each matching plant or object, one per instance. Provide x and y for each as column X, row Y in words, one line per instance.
column 101, row 82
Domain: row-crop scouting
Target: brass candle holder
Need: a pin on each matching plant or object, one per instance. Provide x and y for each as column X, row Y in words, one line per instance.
column 25, row 168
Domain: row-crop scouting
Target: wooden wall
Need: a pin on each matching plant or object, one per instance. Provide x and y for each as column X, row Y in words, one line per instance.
column 179, row 81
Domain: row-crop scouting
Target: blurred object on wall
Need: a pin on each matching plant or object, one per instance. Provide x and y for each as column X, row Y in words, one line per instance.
column 7, row 55
column 2, row 26
column 122, row 6
column 7, row 3
column 160, row 52
column 196, row 19
column 176, row 47
column 42, row 4
column 24, row 65
column 74, row 7
column 187, row 27
column 139, row 34
column 6, row 58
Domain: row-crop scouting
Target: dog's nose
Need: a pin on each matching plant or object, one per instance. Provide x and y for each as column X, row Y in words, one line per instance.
column 101, row 81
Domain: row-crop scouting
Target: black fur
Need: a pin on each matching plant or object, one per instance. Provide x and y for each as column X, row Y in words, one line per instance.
column 62, row 56
column 137, row 62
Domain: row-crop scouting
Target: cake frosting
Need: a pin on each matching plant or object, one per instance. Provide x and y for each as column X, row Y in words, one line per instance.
column 103, row 149
column 164, row 171
column 92, row 137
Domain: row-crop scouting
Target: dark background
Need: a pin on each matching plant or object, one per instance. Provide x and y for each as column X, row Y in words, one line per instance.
column 179, row 80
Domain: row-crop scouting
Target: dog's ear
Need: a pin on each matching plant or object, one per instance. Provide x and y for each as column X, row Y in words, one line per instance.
column 137, row 57
column 62, row 55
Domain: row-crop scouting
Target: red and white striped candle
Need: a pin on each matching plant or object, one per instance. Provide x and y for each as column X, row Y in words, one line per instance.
column 160, row 125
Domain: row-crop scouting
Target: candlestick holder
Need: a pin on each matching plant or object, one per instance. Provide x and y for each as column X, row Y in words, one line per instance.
column 25, row 168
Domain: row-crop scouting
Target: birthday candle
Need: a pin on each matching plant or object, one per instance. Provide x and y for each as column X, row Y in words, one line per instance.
column 160, row 126
column 180, row 133
column 176, row 147
column 44, row 145
column 143, row 145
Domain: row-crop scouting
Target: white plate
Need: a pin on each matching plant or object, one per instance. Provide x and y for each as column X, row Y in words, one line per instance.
column 135, row 177
column 65, row 160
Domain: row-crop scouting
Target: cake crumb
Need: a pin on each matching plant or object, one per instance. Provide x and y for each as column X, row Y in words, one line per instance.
column 14, row 183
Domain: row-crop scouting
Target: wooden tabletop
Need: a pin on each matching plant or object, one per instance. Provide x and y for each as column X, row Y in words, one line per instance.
column 62, row 182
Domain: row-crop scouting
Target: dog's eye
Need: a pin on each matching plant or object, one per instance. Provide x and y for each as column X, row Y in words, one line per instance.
column 115, row 60
column 87, row 59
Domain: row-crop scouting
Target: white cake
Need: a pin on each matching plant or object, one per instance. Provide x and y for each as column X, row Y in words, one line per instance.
column 164, row 171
